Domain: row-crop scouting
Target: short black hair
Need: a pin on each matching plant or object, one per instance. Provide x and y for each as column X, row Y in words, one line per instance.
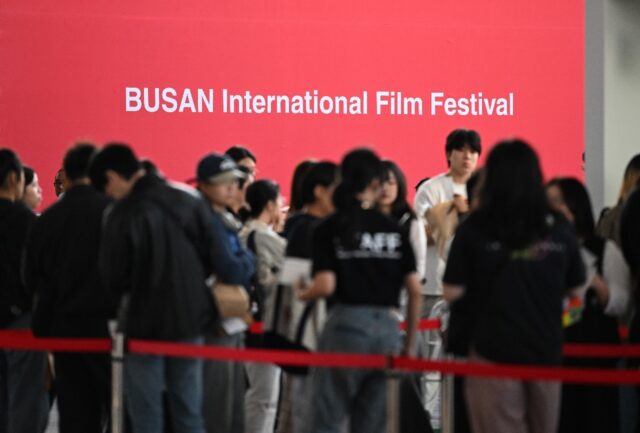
column 458, row 138
column 238, row 153
column 77, row 160
column 9, row 162
column 324, row 174
column 150, row 167
column 259, row 193
column 114, row 156
column 29, row 175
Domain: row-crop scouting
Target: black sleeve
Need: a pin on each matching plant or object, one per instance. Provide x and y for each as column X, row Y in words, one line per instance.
column 630, row 232
column 576, row 273
column 33, row 274
column 408, row 256
column 324, row 254
column 459, row 262
column 116, row 252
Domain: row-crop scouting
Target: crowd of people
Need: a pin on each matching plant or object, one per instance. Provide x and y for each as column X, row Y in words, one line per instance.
column 513, row 265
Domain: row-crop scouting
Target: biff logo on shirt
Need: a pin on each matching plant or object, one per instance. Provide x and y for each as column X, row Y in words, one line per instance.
column 373, row 246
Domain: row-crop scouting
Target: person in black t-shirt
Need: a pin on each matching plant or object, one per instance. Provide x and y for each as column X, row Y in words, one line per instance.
column 513, row 262
column 361, row 259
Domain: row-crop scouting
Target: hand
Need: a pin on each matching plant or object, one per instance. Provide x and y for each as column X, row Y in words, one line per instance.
column 601, row 288
column 300, row 288
column 460, row 203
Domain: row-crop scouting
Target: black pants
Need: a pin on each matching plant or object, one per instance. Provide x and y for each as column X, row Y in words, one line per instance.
column 83, row 385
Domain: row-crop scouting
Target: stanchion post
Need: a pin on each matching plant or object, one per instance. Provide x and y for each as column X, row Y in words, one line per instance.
column 446, row 401
column 117, row 382
column 393, row 399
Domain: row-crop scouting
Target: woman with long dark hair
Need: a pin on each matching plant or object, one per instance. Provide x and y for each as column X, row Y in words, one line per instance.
column 361, row 259
column 393, row 203
column 512, row 262
column 605, row 297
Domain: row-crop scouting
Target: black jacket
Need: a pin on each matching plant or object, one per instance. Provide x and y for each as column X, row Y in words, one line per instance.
column 157, row 247
column 62, row 267
column 15, row 299
column 630, row 237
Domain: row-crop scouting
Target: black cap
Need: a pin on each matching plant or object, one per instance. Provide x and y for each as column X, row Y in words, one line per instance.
column 216, row 168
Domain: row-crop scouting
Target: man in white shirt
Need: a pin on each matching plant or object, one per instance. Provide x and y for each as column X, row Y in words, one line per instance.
column 463, row 147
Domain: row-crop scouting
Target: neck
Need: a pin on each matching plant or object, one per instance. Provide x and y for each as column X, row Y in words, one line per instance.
column 8, row 195
column 80, row 181
column 264, row 218
column 316, row 210
column 218, row 208
column 385, row 209
column 459, row 177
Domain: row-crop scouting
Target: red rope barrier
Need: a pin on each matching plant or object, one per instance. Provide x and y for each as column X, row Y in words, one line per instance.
column 572, row 375
column 284, row 357
column 24, row 340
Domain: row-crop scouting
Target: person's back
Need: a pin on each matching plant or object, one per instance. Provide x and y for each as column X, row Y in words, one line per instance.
column 62, row 270
column 63, row 254
column 23, row 399
column 156, row 253
column 169, row 263
column 518, row 292
column 510, row 265
column 15, row 220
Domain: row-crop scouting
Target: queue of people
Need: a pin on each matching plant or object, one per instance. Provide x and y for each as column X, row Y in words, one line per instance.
column 514, row 266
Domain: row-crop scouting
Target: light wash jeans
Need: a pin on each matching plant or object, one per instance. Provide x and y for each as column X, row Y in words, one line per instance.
column 261, row 398
column 147, row 376
column 224, row 386
column 359, row 394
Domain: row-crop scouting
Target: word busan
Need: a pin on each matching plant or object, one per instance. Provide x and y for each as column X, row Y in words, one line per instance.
column 170, row 100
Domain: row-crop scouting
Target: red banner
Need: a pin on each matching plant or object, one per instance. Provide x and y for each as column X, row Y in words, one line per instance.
column 290, row 80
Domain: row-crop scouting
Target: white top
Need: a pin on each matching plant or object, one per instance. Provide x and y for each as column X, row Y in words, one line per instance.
column 617, row 275
column 418, row 239
column 436, row 190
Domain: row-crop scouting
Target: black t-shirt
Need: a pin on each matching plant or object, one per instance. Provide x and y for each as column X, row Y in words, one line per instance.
column 368, row 253
column 516, row 296
column 300, row 236
column 15, row 222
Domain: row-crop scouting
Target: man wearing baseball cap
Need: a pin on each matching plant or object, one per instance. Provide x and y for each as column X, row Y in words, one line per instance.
column 217, row 177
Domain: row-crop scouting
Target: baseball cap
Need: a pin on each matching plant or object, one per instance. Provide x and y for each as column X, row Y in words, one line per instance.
column 217, row 168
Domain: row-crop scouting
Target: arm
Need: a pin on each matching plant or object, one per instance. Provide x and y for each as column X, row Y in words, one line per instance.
column 32, row 275
column 617, row 277
column 116, row 253
column 232, row 267
column 418, row 238
column 322, row 286
column 414, row 307
column 451, row 292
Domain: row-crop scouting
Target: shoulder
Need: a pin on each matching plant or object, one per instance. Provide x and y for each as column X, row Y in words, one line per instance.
column 437, row 183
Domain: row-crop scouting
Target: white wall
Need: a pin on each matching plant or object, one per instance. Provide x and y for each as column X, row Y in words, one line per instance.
column 621, row 91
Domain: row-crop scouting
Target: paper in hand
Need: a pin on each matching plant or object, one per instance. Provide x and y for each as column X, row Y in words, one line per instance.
column 295, row 269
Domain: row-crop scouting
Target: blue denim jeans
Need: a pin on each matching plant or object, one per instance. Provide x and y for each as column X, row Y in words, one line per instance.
column 23, row 395
column 359, row 394
column 147, row 376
